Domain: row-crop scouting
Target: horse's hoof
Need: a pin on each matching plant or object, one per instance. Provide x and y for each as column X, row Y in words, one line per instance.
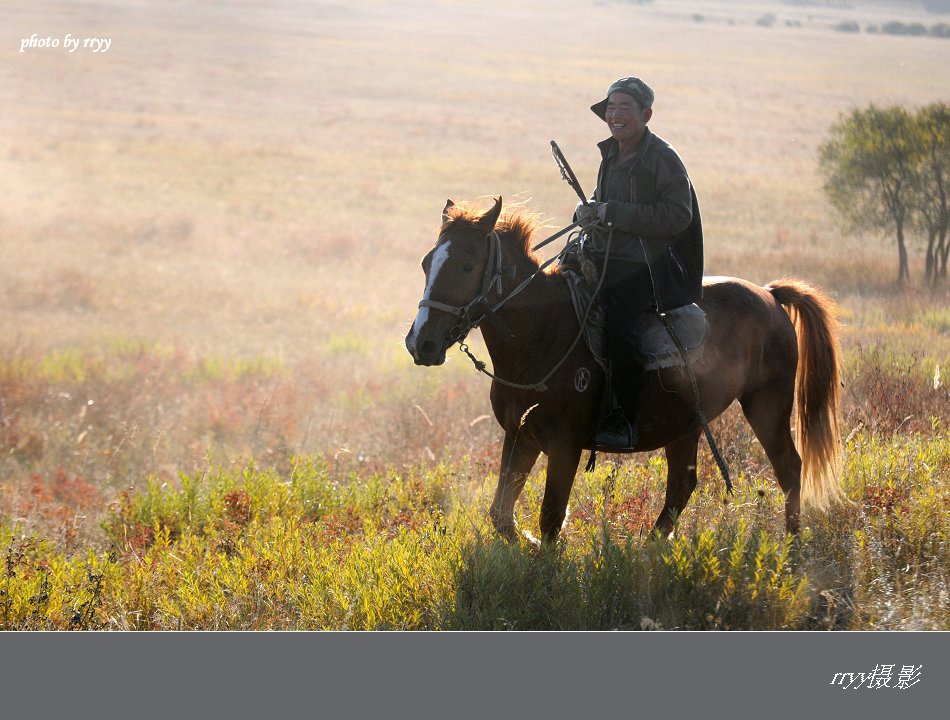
column 508, row 533
column 532, row 541
column 511, row 535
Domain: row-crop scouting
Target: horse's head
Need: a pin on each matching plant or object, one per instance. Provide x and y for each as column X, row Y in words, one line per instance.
column 460, row 272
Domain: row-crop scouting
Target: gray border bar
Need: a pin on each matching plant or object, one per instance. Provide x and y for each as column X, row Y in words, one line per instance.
column 477, row 675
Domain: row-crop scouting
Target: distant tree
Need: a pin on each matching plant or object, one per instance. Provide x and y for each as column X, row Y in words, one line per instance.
column 932, row 185
column 848, row 26
column 869, row 168
column 941, row 30
column 895, row 27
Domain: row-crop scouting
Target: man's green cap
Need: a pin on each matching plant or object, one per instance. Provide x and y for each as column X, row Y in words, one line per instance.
column 632, row 86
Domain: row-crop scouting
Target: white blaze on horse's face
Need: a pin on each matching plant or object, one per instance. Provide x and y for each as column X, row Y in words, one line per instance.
column 446, row 268
column 454, row 270
column 439, row 257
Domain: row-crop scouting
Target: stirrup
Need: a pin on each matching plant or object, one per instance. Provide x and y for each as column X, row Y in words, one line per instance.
column 617, row 435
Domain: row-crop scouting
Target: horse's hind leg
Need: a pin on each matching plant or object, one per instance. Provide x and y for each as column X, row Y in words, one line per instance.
column 769, row 413
column 517, row 459
column 680, row 480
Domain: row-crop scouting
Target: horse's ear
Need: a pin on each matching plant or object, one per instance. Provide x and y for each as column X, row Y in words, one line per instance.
column 445, row 210
column 489, row 219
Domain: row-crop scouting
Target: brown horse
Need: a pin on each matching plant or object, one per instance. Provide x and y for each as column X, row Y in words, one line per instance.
column 752, row 353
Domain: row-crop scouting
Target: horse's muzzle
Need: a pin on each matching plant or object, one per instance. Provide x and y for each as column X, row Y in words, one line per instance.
column 427, row 352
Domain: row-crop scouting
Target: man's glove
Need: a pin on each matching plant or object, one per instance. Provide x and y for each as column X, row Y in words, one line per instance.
column 590, row 213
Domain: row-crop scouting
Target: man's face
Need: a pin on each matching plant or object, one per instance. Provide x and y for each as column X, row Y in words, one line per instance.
column 625, row 118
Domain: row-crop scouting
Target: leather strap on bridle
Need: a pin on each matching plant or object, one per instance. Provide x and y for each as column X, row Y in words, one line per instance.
column 492, row 278
column 470, row 316
column 479, row 309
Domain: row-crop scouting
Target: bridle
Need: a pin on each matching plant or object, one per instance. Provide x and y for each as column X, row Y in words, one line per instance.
column 491, row 280
column 470, row 316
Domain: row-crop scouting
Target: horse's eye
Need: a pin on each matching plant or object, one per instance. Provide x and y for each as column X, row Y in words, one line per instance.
column 467, row 267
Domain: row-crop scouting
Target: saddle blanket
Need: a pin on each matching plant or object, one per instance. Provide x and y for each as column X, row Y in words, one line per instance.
column 657, row 347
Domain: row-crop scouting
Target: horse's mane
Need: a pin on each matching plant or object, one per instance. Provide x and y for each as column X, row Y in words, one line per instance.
column 515, row 227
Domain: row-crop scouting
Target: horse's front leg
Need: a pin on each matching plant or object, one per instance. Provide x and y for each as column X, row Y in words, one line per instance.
column 562, row 467
column 517, row 458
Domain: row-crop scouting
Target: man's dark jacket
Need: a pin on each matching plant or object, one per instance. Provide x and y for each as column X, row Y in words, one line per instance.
column 674, row 253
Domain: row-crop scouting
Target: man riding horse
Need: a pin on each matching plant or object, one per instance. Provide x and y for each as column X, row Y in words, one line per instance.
column 763, row 345
column 645, row 234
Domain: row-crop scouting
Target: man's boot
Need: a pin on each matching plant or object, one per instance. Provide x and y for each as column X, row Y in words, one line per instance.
column 616, row 434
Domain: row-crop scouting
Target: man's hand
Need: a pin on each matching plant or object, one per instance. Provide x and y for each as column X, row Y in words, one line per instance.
column 590, row 213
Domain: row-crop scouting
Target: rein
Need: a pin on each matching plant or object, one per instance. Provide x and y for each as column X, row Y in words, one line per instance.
column 698, row 409
column 541, row 385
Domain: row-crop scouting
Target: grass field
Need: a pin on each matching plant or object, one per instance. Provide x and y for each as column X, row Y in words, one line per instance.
column 209, row 257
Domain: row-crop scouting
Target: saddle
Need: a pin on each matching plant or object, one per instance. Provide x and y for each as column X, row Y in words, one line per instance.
column 655, row 342
column 657, row 347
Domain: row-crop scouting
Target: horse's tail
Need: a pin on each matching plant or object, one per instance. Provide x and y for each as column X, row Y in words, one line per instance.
column 818, row 383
